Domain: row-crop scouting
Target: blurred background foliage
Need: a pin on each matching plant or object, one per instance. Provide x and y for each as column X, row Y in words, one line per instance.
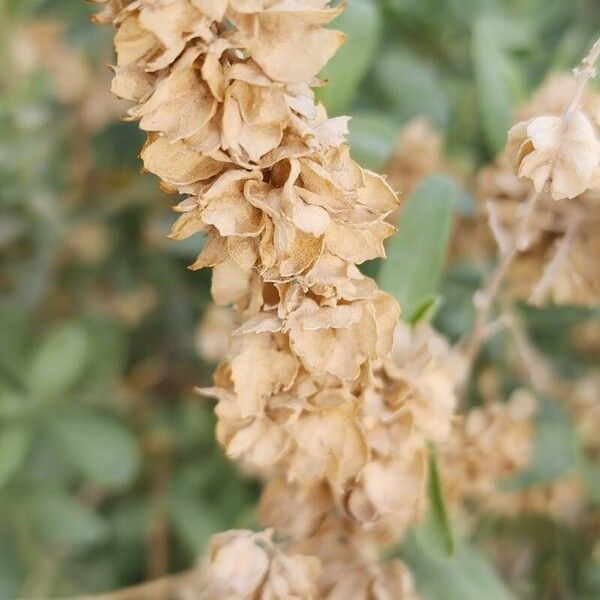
column 109, row 473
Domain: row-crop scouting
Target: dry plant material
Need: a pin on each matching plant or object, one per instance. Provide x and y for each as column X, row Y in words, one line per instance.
column 308, row 394
column 562, row 259
column 244, row 564
column 488, row 444
column 418, row 153
column 557, row 158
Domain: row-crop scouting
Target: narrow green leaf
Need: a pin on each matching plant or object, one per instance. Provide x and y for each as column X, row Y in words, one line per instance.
column 498, row 80
column 59, row 360
column 427, row 310
column 14, row 328
column 465, row 576
column 416, row 253
column 412, row 86
column 14, row 443
column 436, row 532
column 361, row 22
column 100, row 447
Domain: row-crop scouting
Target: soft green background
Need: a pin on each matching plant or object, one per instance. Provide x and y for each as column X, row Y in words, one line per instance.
column 106, row 455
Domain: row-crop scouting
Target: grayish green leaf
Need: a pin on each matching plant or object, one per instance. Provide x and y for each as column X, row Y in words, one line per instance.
column 100, row 447
column 416, row 253
column 65, row 521
column 436, row 531
column 412, row 86
column 58, row 361
column 361, row 22
column 372, row 138
column 497, row 75
column 465, row 576
column 14, row 443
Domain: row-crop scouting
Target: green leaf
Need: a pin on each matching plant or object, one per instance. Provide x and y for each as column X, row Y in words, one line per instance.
column 361, row 22
column 12, row 572
column 14, row 327
column 436, row 531
column 14, row 443
column 498, row 79
column 100, row 447
column 372, row 138
column 416, row 253
column 59, row 361
column 427, row 310
column 63, row 520
column 194, row 519
column 555, row 451
column 465, row 576
column 412, row 86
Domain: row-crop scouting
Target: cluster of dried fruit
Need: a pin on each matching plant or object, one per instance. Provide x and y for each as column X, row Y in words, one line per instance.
column 559, row 151
column 307, row 395
column 321, row 391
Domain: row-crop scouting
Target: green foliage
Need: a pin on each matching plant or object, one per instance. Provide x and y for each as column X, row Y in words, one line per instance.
column 58, row 361
column 555, row 450
column 464, row 576
column 499, row 82
column 371, row 138
column 98, row 446
column 415, row 255
column 98, row 426
column 412, row 86
column 361, row 22
column 436, row 532
column 64, row 521
column 14, row 442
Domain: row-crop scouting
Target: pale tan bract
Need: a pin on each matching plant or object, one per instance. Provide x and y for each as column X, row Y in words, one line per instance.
column 245, row 565
column 559, row 152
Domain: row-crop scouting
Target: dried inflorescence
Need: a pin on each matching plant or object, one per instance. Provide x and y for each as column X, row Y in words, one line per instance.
column 417, row 154
column 307, row 392
column 245, row 564
column 489, row 444
column 348, row 552
column 558, row 157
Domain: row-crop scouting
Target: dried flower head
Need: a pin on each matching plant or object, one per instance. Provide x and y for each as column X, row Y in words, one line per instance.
column 307, row 392
column 247, row 565
column 489, row 444
column 557, row 155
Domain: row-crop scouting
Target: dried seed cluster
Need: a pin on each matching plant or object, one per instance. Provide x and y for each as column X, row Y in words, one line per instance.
column 489, row 444
column 558, row 155
column 308, row 394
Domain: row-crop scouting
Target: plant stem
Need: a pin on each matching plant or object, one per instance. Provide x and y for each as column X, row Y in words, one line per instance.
column 583, row 74
column 484, row 298
column 165, row 588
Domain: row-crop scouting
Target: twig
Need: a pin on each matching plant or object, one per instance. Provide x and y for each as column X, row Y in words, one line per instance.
column 165, row 587
column 501, row 236
column 484, row 299
column 538, row 369
column 583, row 74
column 158, row 536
